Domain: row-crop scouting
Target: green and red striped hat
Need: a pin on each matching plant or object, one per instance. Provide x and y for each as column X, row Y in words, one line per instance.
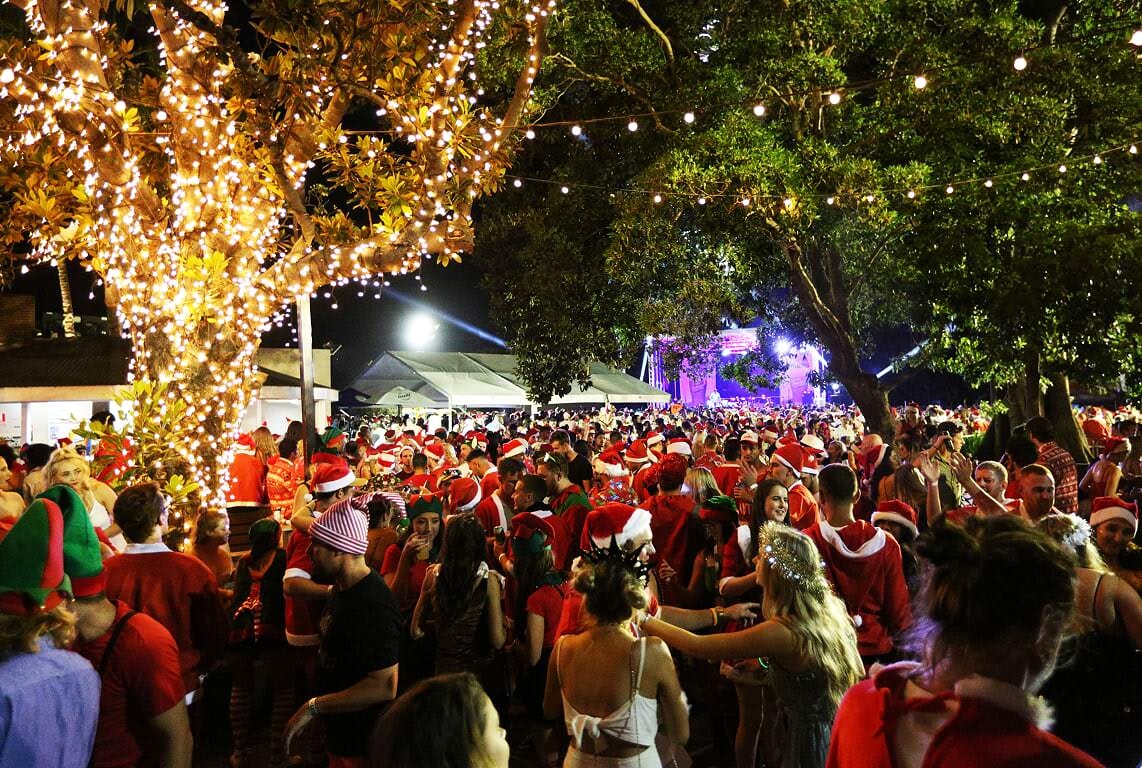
column 32, row 578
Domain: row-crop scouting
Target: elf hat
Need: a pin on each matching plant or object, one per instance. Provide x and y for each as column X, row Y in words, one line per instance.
column 896, row 511
column 525, row 526
column 328, row 478
column 791, row 456
column 32, row 577
column 719, row 509
column 424, row 504
column 342, row 528
column 1110, row 508
column 621, row 521
column 812, row 444
column 333, row 438
column 82, row 555
column 514, row 447
column 637, row 453
column 464, row 494
column 678, row 445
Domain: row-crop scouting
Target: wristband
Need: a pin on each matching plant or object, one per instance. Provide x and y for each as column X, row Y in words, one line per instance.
column 311, row 707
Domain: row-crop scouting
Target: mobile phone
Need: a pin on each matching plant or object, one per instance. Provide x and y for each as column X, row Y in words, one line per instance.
column 498, row 533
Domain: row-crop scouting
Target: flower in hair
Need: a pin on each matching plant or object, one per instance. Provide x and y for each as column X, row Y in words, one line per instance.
column 1078, row 535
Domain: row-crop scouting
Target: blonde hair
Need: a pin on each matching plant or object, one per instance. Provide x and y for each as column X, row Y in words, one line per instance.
column 264, row 444
column 62, row 456
column 1074, row 534
column 21, row 634
column 797, row 594
column 701, row 483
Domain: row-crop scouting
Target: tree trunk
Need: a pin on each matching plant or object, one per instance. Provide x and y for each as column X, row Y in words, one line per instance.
column 1058, row 409
column 65, row 299
column 834, row 331
column 1016, row 398
column 1032, row 376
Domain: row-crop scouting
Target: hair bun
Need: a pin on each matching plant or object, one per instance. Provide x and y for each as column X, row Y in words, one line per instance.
column 946, row 544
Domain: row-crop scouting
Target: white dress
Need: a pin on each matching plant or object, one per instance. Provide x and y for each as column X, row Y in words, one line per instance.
column 101, row 518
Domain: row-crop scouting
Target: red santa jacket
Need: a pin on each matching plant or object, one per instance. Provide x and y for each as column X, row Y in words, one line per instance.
column 247, row 481
column 489, row 483
column 991, row 724
column 677, row 535
column 638, row 483
column 727, row 476
column 802, row 507
column 863, row 563
column 492, row 511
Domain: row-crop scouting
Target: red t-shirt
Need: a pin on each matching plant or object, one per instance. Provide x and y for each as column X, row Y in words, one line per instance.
column 547, row 602
column 302, row 615
column 181, row 594
column 727, row 476
column 142, row 680
column 416, row 575
column 423, row 481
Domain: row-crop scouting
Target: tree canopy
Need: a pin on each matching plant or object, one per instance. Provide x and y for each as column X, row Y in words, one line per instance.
column 791, row 163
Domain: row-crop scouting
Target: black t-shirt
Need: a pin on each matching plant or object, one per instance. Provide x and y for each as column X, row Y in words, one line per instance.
column 360, row 633
column 579, row 472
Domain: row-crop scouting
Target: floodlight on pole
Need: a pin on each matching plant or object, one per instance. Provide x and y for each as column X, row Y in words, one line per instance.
column 783, row 347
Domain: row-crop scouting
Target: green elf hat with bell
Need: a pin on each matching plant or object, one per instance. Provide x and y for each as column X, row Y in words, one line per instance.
column 32, row 578
column 82, row 556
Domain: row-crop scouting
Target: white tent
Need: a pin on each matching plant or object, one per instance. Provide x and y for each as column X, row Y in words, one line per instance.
column 458, row 379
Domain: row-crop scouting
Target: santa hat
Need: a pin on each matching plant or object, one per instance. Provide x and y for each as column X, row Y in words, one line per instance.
column 637, row 453
column 812, row 444
column 324, row 457
column 464, row 494
column 810, row 466
column 671, row 470
column 246, row 443
column 896, row 511
column 769, row 436
column 749, row 436
column 32, row 577
column 791, row 456
column 610, row 464
column 719, row 509
column 342, row 528
column 386, row 461
column 514, row 447
column 434, row 451
column 653, row 439
column 328, row 478
column 679, row 445
column 619, row 521
column 790, row 438
column 1111, row 444
column 82, row 556
column 333, row 438
column 1110, row 508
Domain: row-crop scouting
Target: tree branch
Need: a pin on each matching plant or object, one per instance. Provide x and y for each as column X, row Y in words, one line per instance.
column 655, row 28
column 618, row 83
column 877, row 251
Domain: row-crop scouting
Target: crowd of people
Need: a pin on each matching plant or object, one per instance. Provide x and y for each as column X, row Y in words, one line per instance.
column 590, row 586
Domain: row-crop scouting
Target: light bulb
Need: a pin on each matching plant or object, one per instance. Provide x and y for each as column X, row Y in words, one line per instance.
column 1133, row 149
column 920, row 82
column 701, row 201
column 834, row 98
column 564, row 190
column 688, row 117
column 517, row 183
column 1020, row 63
column 1062, row 169
column 7, row 76
column 1136, row 38
column 911, row 194
column 745, row 202
column 1097, row 160
column 658, row 198
column 829, row 200
column 576, row 130
column 530, row 134
column 987, row 183
column 759, row 110
column 1026, row 177
column 632, row 126
column 950, row 189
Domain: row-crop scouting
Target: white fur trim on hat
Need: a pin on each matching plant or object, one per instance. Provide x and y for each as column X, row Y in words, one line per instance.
column 1114, row 513
column 892, row 517
column 637, row 524
column 679, row 445
column 337, row 483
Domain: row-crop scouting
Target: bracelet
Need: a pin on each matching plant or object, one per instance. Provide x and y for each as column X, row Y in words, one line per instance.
column 714, row 616
column 311, row 707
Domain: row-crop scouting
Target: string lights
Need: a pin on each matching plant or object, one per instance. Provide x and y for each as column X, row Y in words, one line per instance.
column 949, row 187
column 192, row 209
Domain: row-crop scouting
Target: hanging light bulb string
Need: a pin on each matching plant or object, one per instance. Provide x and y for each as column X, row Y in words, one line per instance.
column 745, row 199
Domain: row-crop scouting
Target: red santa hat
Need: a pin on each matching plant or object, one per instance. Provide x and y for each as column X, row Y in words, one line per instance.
column 514, row 447
column 896, row 511
column 637, row 453
column 328, row 478
column 812, row 444
column 463, row 495
column 526, row 525
column 435, row 451
column 653, row 439
column 621, row 521
column 679, row 445
column 768, row 436
column 1113, row 508
column 749, row 436
column 789, row 438
column 810, row 467
column 610, row 464
column 1113, row 443
column 386, row 461
column 246, row 443
column 671, row 470
column 791, row 456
